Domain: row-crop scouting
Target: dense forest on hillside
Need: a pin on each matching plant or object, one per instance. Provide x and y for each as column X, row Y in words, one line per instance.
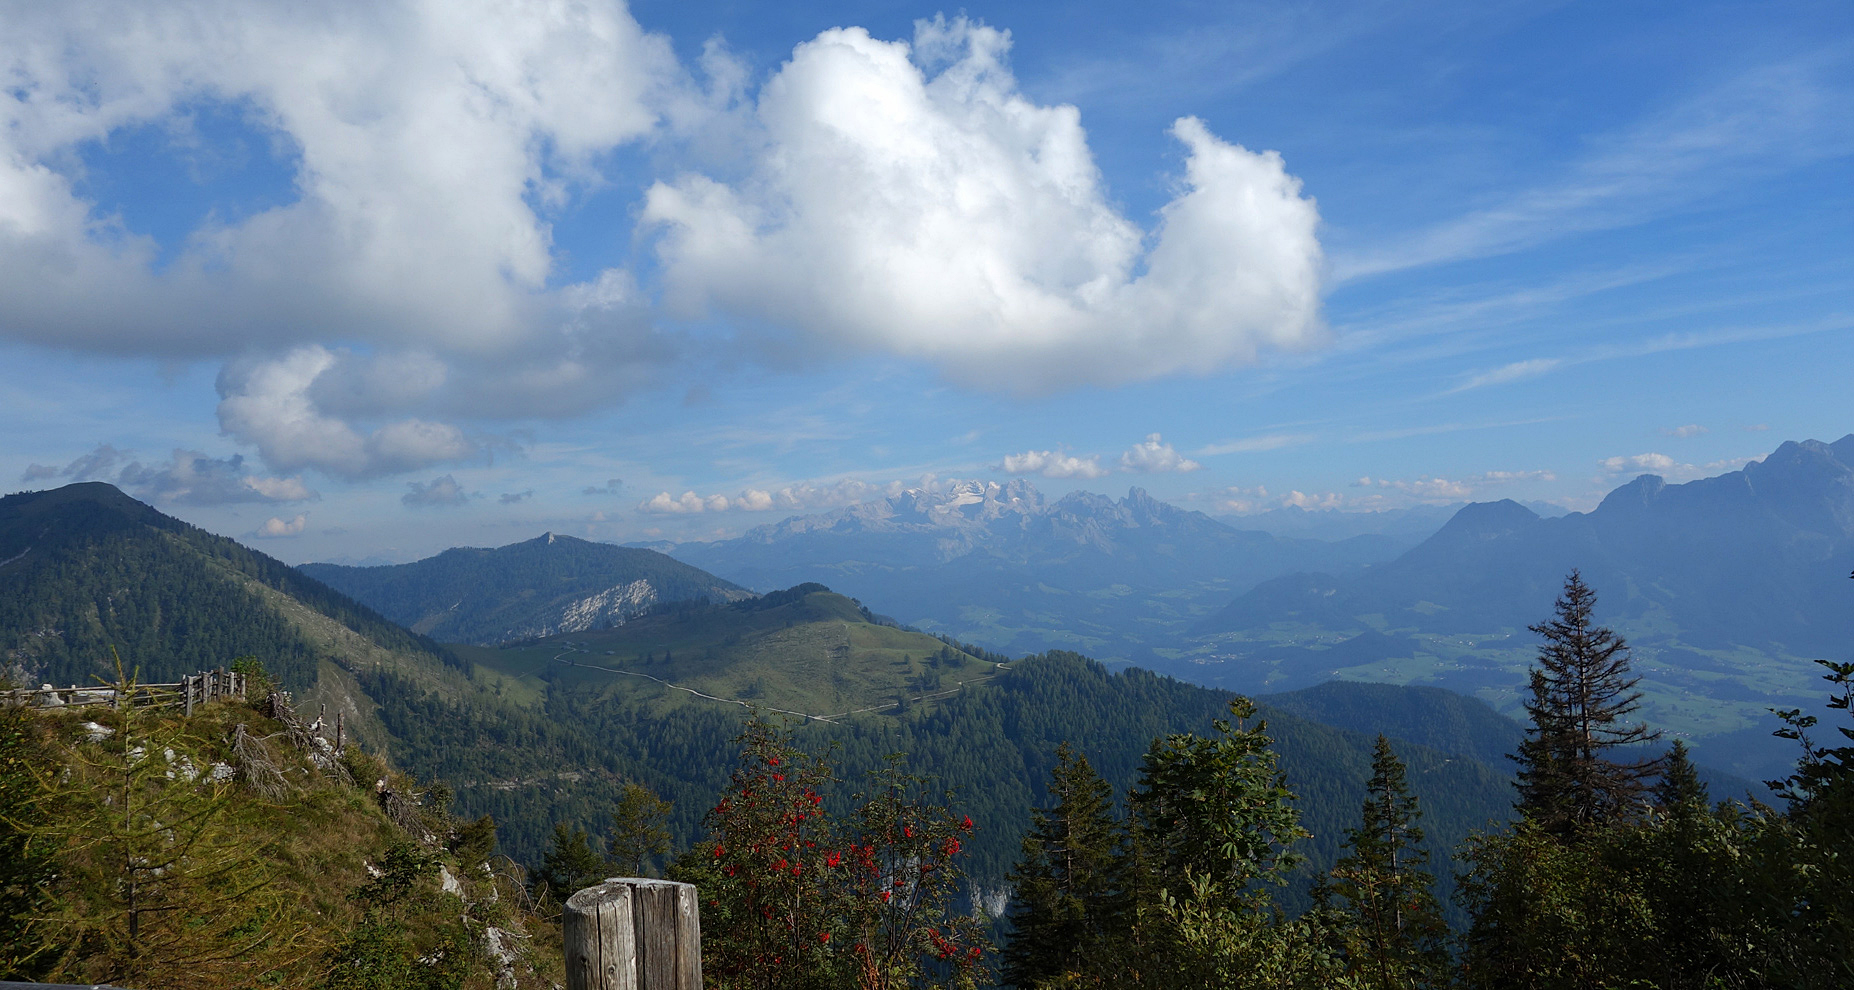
column 89, row 570
column 991, row 746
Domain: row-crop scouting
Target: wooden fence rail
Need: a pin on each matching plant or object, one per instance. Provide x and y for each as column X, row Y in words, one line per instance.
column 185, row 694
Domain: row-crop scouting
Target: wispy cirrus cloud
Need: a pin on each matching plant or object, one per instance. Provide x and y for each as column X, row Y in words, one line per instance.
column 1516, row 371
column 1763, row 120
column 1250, row 445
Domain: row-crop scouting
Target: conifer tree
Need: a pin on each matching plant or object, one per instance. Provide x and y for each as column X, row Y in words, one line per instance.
column 1680, row 787
column 570, row 866
column 1379, row 894
column 1581, row 695
column 639, row 832
column 1067, row 903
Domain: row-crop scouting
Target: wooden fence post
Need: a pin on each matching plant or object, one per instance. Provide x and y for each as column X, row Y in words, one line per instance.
column 633, row 934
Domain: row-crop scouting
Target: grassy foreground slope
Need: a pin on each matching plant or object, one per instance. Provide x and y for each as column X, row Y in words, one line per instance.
column 231, row 849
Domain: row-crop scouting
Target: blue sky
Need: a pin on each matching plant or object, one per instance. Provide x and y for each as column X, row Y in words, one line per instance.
column 347, row 280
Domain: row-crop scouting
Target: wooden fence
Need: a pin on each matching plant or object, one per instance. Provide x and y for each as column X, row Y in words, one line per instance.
column 188, row 692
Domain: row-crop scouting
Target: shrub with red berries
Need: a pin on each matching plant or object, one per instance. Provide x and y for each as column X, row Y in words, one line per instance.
column 795, row 898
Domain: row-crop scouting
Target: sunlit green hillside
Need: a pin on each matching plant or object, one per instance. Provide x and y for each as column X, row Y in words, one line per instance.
column 806, row 651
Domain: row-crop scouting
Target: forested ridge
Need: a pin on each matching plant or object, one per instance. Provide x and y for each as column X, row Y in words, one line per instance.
column 89, row 569
column 548, row 584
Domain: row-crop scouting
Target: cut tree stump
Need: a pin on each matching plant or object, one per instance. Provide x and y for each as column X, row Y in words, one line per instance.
column 630, row 933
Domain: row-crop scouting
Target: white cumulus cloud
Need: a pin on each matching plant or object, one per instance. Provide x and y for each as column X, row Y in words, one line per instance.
column 425, row 147
column 912, row 200
column 1684, row 432
column 1155, row 456
column 272, row 405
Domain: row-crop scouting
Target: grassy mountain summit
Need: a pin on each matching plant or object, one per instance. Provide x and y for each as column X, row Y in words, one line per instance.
column 805, row 650
column 550, row 584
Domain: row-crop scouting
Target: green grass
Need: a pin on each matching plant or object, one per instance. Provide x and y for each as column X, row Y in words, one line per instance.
column 818, row 656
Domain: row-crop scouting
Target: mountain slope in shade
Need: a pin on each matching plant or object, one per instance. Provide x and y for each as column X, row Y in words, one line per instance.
column 541, row 587
column 1002, row 566
column 1746, row 558
column 1727, row 587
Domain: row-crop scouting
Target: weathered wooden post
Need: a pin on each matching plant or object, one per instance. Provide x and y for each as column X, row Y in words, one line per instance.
column 633, row 934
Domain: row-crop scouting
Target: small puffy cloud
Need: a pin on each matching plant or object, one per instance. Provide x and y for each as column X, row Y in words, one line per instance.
column 912, row 200
column 275, row 528
column 687, row 503
column 1757, row 427
column 1667, row 467
column 516, row 498
column 188, row 477
column 1154, row 456
column 1053, row 464
column 611, row 487
column 1315, row 501
column 442, row 491
column 1517, row 371
column 1683, row 432
column 1650, row 462
column 805, row 496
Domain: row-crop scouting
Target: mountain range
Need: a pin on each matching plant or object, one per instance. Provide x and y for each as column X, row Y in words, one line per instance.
column 547, row 731
column 1001, row 565
column 1727, row 587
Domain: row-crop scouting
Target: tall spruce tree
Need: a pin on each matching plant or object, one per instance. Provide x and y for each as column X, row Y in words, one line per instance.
column 1069, row 903
column 1379, row 895
column 1582, row 695
column 1680, row 788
